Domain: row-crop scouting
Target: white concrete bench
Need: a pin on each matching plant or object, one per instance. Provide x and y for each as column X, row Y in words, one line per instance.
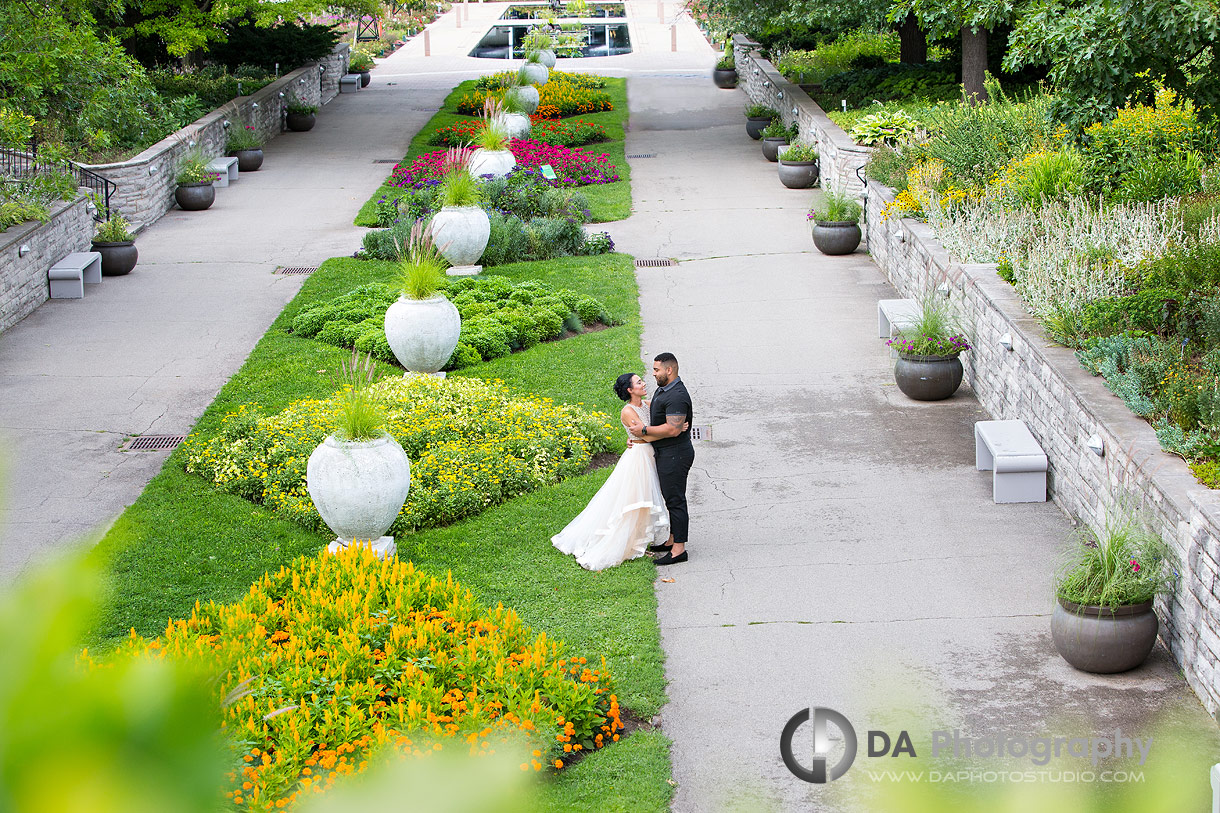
column 69, row 275
column 225, row 167
column 1013, row 455
column 349, row 83
column 895, row 314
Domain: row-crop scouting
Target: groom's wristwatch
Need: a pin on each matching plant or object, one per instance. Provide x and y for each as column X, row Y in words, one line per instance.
column 644, row 431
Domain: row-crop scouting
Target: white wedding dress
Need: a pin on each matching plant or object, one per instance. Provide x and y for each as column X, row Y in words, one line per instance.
column 625, row 516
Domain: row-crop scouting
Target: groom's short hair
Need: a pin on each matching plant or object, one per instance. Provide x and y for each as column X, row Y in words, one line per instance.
column 667, row 358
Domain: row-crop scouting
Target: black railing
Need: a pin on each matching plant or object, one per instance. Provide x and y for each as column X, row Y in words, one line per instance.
column 18, row 165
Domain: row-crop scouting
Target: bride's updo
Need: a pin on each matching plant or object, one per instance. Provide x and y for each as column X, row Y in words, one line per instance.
column 622, row 384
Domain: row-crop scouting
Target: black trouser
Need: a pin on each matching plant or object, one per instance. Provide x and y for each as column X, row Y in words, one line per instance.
column 673, row 466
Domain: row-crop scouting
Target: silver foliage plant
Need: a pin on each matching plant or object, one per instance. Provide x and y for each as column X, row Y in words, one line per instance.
column 1066, row 254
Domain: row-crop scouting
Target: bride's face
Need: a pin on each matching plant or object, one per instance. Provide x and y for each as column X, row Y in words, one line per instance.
column 637, row 386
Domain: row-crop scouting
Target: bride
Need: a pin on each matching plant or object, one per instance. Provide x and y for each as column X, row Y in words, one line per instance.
column 627, row 514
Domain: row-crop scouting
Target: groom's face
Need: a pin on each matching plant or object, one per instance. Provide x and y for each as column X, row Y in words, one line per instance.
column 660, row 373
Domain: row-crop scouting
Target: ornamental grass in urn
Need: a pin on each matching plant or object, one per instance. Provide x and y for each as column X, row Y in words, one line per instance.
column 461, row 229
column 928, row 347
column 1103, row 619
column 423, row 326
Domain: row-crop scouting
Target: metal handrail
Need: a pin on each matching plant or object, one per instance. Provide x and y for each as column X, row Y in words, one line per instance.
column 17, row 165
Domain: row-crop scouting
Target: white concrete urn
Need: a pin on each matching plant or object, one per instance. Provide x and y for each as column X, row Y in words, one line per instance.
column 547, row 57
column 423, row 332
column 514, row 125
column 496, row 163
column 527, row 96
column 535, row 73
column 460, row 233
column 358, row 486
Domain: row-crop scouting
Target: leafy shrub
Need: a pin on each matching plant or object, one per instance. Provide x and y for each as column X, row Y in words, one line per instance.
column 887, row 167
column 1186, row 266
column 761, row 111
column 597, row 243
column 891, row 127
column 841, row 55
column 1173, row 174
column 290, row 44
column 1148, row 311
column 976, row 141
column 211, row 86
column 372, row 654
column 890, row 82
column 1139, row 134
column 1041, row 176
column 472, row 444
column 15, row 211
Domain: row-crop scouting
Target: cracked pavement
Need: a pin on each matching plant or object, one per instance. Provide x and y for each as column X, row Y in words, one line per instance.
column 844, row 551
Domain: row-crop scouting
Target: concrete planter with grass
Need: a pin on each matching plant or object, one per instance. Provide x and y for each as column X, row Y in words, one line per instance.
column 535, row 73
column 547, row 57
column 460, row 233
column 515, row 125
column 423, row 332
column 496, row 163
column 358, row 487
column 796, row 174
column 527, row 97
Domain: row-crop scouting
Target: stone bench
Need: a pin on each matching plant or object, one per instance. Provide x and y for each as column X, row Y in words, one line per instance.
column 68, row 276
column 895, row 314
column 1017, row 462
column 349, row 83
column 225, row 167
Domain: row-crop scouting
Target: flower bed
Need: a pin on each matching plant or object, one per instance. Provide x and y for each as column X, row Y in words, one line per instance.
column 563, row 133
column 573, row 166
column 506, row 79
column 497, row 318
column 334, row 657
column 556, row 100
column 471, row 445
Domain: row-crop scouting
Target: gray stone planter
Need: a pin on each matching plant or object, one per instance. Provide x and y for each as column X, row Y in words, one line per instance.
column 358, row 487
column 496, row 163
column 535, row 73
column 527, row 96
column 797, row 174
column 755, row 126
column 516, row 125
column 248, row 160
column 724, row 79
column 423, row 332
column 301, row 122
column 365, row 78
column 195, row 197
column 1101, row 640
column 928, row 378
column 118, row 259
column 770, row 147
column 547, row 57
column 836, row 237
column 460, row 234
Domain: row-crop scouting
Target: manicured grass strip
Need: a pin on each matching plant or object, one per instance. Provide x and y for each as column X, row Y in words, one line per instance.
column 607, row 202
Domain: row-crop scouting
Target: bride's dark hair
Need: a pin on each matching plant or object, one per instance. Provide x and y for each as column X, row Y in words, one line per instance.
column 622, row 384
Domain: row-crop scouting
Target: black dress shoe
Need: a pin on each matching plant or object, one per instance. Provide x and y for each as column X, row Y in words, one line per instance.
column 670, row 559
column 662, row 548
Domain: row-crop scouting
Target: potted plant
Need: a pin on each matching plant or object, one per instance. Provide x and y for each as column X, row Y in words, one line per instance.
column 773, row 136
column 244, row 144
column 928, row 366
column 300, row 117
column 1103, row 619
column 542, row 42
column 423, row 326
column 115, row 242
column 461, row 229
column 533, row 72
column 525, row 96
column 757, row 118
column 194, row 192
column 359, row 477
column 493, row 157
column 798, row 165
column 836, row 228
column 361, row 63
column 512, row 118
column 724, row 75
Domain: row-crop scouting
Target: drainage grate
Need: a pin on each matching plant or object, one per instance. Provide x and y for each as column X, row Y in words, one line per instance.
column 644, row 155
column 294, row 271
column 385, row 160
column 701, row 433
column 153, row 443
column 661, row 262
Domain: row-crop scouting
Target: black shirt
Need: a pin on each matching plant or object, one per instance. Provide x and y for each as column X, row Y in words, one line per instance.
column 672, row 399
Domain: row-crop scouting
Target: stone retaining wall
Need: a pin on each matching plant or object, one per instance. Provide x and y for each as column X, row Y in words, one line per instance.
column 840, row 157
column 1064, row 406
column 145, row 183
column 23, row 280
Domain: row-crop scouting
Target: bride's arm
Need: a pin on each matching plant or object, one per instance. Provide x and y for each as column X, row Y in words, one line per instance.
column 633, row 424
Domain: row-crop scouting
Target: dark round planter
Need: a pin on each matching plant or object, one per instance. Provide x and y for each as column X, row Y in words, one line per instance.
column 1101, row 640
column 770, row 148
column 836, row 237
column 755, row 126
column 724, row 79
column 301, row 122
column 195, row 197
column 928, row 378
column 798, row 174
column 248, row 160
column 117, row 258
column 365, row 78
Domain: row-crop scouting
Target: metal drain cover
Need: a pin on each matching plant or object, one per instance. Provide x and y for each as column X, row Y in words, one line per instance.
column 294, row 270
column 644, row 155
column 660, row 262
column 153, row 443
column 701, row 433
column 385, row 160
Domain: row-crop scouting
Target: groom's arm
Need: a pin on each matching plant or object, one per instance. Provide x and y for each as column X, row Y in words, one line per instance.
column 670, row 429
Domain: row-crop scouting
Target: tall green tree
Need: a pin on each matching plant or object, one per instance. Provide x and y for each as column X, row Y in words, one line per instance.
column 943, row 19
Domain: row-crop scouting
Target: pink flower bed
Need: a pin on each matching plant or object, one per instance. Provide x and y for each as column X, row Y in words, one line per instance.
column 573, row 166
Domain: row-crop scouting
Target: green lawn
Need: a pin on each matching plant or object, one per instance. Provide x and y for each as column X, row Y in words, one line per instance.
column 183, row 541
column 607, row 202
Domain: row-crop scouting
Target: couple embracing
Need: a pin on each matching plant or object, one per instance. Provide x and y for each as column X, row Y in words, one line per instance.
column 642, row 504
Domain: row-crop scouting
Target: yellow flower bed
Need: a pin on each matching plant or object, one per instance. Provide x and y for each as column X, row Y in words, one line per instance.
column 471, row 444
column 337, row 656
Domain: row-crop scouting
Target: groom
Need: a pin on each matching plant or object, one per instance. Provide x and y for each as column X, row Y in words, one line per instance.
column 671, row 411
